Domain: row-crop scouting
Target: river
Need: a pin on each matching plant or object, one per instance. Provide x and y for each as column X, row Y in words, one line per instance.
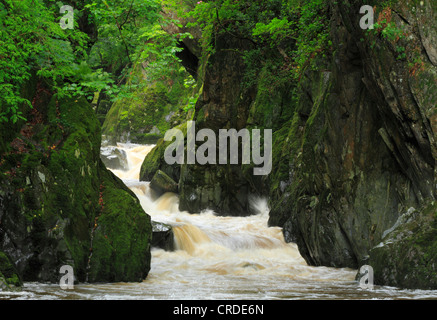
column 219, row 258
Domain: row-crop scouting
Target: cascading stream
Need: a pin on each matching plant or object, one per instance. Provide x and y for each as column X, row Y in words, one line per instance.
column 208, row 245
column 218, row 258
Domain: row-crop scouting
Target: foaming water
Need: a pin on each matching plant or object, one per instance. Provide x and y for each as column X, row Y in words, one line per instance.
column 135, row 157
column 219, row 258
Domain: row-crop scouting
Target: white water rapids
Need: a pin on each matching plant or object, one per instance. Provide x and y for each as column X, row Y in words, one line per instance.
column 219, row 258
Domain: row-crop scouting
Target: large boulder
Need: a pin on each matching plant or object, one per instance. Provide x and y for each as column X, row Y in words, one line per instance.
column 224, row 103
column 155, row 160
column 221, row 188
column 407, row 255
column 59, row 205
column 162, row 183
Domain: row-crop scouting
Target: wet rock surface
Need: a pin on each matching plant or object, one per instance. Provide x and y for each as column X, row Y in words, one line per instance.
column 163, row 236
column 114, row 158
column 162, row 183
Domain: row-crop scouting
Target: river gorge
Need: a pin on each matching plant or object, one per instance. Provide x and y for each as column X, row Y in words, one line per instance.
column 340, row 175
column 218, row 258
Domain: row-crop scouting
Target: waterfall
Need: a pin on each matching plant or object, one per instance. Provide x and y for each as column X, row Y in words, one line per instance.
column 198, row 233
column 218, row 257
column 207, row 245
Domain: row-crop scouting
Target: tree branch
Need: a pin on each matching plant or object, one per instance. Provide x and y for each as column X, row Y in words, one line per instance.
column 128, row 13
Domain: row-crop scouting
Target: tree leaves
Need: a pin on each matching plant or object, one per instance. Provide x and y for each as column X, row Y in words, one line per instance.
column 130, row 36
column 31, row 40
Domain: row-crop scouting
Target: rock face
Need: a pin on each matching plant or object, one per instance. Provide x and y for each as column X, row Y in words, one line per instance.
column 163, row 236
column 59, row 205
column 407, row 255
column 223, row 104
column 363, row 150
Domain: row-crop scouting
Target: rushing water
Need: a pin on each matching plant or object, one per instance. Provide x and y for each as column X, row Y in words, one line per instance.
column 219, row 258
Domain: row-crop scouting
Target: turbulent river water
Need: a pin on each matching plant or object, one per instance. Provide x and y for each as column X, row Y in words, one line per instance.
column 219, row 258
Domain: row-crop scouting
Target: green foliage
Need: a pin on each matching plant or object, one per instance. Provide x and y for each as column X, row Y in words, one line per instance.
column 313, row 38
column 191, row 103
column 161, row 104
column 8, row 274
column 401, row 53
column 31, row 40
column 290, row 35
column 388, row 30
column 236, row 18
column 276, row 29
column 130, row 36
column 132, row 50
column 86, row 81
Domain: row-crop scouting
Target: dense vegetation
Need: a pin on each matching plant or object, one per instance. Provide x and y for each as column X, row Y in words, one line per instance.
column 113, row 44
column 353, row 114
column 110, row 41
column 107, row 43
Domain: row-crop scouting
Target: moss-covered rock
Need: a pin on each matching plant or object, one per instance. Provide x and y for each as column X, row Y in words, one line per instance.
column 149, row 112
column 162, row 183
column 9, row 278
column 362, row 147
column 155, row 161
column 224, row 103
column 407, row 255
column 121, row 235
column 50, row 200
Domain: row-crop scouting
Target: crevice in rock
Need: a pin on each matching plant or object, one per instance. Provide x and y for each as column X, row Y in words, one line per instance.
column 189, row 60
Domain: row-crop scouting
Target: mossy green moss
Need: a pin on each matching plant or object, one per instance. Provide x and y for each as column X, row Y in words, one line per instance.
column 121, row 235
column 52, row 182
column 286, row 143
column 294, row 149
column 155, row 161
column 406, row 256
column 159, row 105
column 9, row 278
column 275, row 101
